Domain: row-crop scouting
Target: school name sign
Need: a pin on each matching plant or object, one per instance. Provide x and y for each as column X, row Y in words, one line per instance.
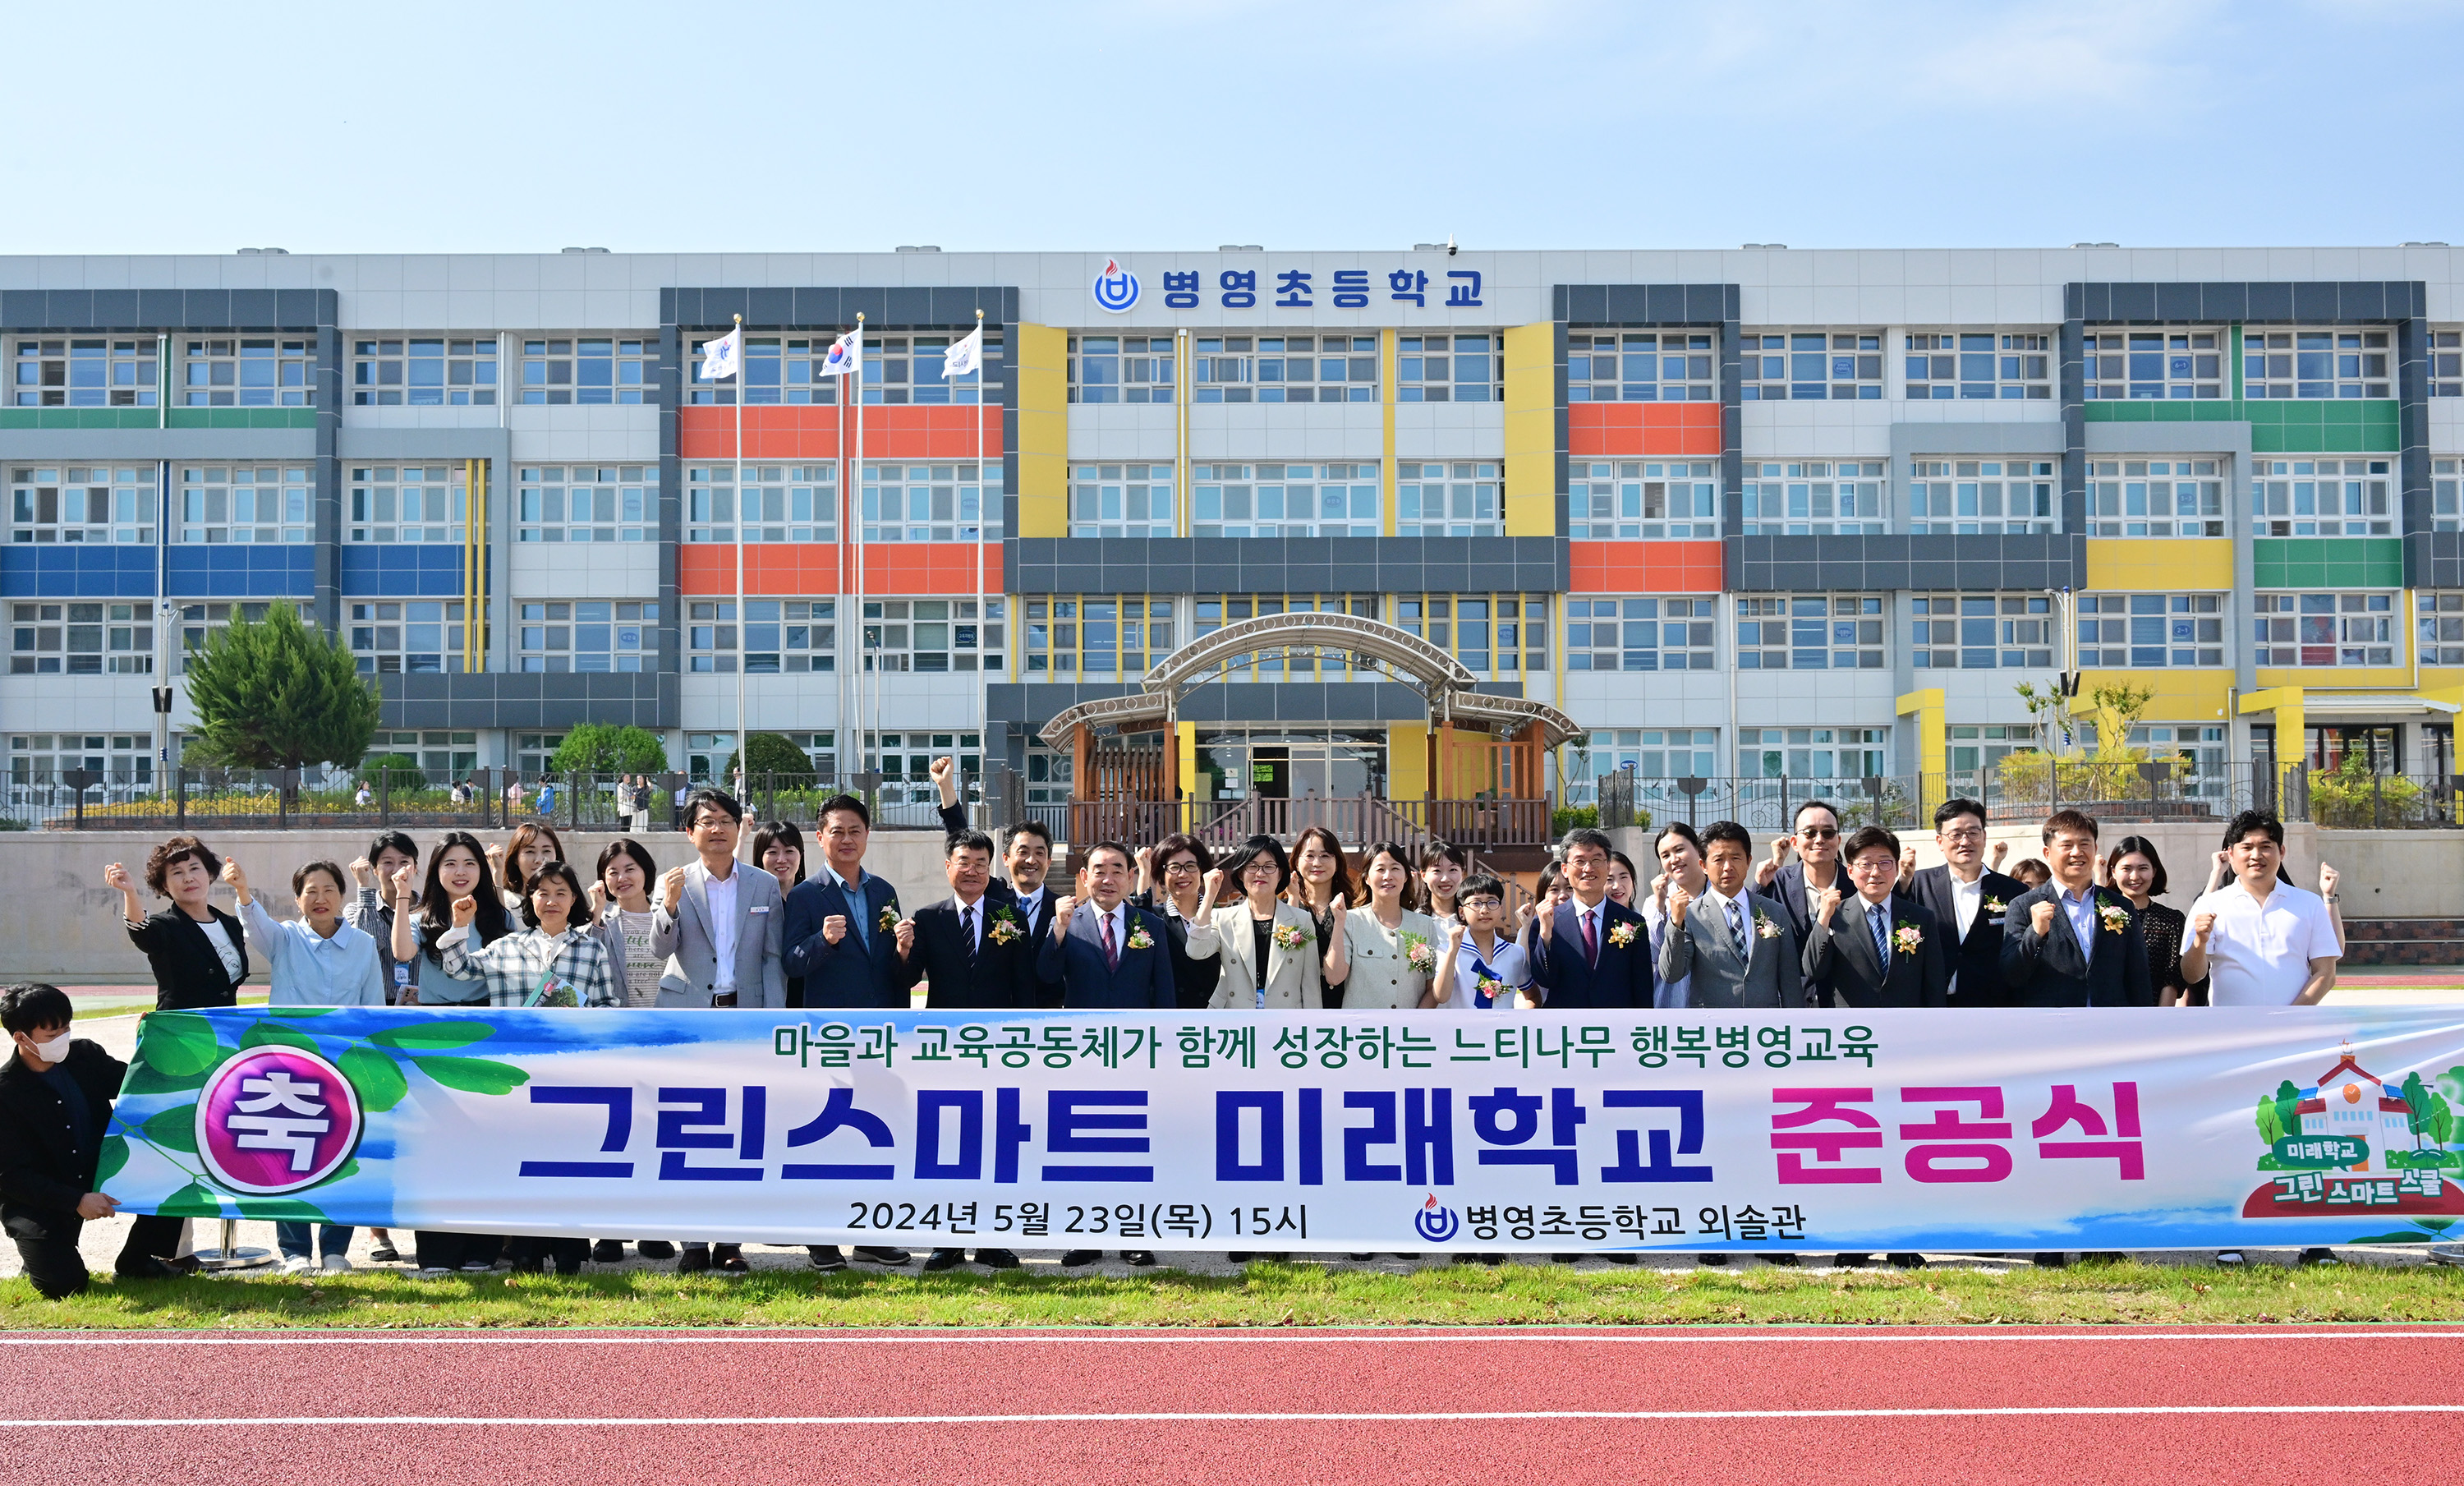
column 1343, row 1131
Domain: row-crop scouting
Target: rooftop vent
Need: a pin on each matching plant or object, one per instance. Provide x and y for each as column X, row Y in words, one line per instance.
column 919, row 248
column 2427, row 243
column 250, row 252
column 2095, row 245
column 586, row 250
column 1240, row 247
column 1767, row 245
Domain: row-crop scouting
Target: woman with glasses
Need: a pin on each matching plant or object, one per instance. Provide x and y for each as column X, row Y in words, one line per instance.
column 1268, row 959
column 1182, row 893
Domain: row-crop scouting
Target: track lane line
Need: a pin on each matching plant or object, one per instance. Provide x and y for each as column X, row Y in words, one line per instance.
column 1202, row 1339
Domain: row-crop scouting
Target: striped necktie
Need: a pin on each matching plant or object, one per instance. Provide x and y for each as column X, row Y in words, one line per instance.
column 1112, row 950
column 1737, row 930
column 967, row 931
column 1882, row 936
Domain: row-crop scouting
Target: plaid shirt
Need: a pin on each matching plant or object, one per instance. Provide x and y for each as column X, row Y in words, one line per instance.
column 516, row 965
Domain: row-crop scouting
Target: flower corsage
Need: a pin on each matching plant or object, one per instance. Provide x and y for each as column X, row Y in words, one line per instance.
column 1996, row 905
column 1487, row 988
column 1907, row 938
column 1764, row 928
column 1005, row 926
column 2115, row 917
column 1140, row 939
column 890, row 917
column 1287, row 935
column 1418, row 955
column 1620, row 935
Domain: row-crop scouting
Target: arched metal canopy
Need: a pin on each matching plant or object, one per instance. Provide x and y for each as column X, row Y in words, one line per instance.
column 1435, row 675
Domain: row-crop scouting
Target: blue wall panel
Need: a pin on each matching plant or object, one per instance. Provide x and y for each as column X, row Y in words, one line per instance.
column 76, row 570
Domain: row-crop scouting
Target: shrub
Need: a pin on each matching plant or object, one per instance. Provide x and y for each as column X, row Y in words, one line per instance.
column 776, row 756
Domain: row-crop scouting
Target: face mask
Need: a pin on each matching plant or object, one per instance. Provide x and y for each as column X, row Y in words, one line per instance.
column 56, row 1050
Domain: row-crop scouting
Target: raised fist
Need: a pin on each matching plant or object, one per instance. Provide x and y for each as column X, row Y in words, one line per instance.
column 465, row 908
column 363, row 871
column 1679, row 900
column 834, row 928
column 1064, row 910
column 2040, row 919
column 2201, row 925
column 115, row 877
column 671, row 891
column 906, row 937
column 1827, row 904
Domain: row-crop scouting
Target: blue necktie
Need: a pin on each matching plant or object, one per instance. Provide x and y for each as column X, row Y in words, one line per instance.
column 1881, row 938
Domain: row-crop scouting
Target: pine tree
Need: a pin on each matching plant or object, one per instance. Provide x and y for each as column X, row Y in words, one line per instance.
column 275, row 694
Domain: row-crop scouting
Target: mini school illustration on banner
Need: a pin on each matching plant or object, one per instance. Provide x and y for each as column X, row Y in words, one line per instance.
column 1325, row 1131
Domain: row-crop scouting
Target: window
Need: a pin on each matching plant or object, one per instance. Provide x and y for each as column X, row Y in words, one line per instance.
column 2443, row 511
column 1811, row 752
column 118, row 758
column 905, row 764
column 2321, row 497
column 938, row 634
column 249, row 373
column 1818, row 498
column 792, row 502
column 410, row 502
column 2326, row 629
column 583, row 502
column 2156, row 498
column 2200, row 750
column 87, row 503
column 590, row 634
column 1640, row 634
column 1123, row 501
column 81, row 639
column 926, row 502
column 1213, row 612
column 1981, row 746
column 2145, row 630
column 1120, row 368
column 1501, row 634
column 257, row 503
column 1978, row 632
column 1837, row 633
column 1980, row 366
column 2146, row 364
column 200, row 621
column 1649, row 752
column 532, row 750
column 418, row 636
column 1982, row 497
column 1288, row 500
column 1810, row 366
column 2314, row 364
column 443, row 755
column 777, row 370
column 1640, row 367
column 2447, row 364
column 1333, row 368
column 793, row 635
column 598, row 369
column 1050, row 773
column 1460, row 499
column 1098, row 637
column 430, row 372
column 1649, row 501
column 85, row 373
column 1436, row 368
column 906, row 369
column 2441, row 633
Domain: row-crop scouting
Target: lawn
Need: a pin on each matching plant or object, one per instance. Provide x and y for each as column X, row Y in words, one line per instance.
column 1275, row 1295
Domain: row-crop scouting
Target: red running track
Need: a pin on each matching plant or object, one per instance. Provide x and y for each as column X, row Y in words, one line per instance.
column 1549, row 1408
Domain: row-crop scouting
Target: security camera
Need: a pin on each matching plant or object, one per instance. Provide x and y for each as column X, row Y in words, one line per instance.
column 1451, row 250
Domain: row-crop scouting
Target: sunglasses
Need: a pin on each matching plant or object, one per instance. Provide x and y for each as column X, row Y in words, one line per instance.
column 1818, row 833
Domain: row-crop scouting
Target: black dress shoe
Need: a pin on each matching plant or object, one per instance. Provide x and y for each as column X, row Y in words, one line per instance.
column 1140, row 1259
column 534, row 1265
column 944, row 1260
column 1078, row 1257
column 997, row 1258
column 607, row 1250
column 655, row 1249
column 2319, row 1256
column 145, row 1267
column 1851, row 1261
column 1908, row 1261
column 825, row 1257
column 1715, row 1261
column 879, row 1255
column 1785, row 1260
column 1360, row 1259
column 569, row 1266
column 1563, row 1258
column 720, row 1253
column 1237, row 1256
column 2051, row 1259
column 694, row 1260
column 731, row 1264
column 1613, row 1259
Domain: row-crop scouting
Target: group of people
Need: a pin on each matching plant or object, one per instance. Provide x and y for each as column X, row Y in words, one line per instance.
column 1822, row 921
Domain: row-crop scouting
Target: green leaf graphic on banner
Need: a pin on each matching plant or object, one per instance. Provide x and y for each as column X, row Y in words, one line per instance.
column 179, row 1043
column 438, row 1036
column 376, row 1076
column 175, row 1129
column 280, row 1209
column 143, row 1077
column 267, row 1034
column 115, row 1155
column 343, row 1172
column 473, row 1075
column 296, row 1012
column 192, row 1200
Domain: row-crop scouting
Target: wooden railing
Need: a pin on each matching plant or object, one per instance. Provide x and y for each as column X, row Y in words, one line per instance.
column 1357, row 821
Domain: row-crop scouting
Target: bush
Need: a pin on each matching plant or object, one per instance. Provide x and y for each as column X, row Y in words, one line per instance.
column 402, row 766
column 776, row 755
column 2353, row 796
column 1572, row 818
column 604, row 748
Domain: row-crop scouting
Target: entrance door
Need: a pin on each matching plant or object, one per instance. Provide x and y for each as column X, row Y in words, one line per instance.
column 1270, row 772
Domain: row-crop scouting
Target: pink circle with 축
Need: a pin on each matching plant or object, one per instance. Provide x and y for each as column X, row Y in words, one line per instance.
column 276, row 1119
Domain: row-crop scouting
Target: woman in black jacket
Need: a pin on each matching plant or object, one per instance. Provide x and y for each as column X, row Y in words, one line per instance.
column 1174, row 885
column 2134, row 870
column 198, row 955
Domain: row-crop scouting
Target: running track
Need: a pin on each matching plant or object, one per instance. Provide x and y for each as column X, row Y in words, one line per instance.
column 2007, row 1405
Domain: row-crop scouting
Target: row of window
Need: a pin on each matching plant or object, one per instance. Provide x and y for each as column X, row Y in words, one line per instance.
column 247, row 371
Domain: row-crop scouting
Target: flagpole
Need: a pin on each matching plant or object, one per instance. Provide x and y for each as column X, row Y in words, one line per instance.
column 743, row 761
column 984, row 496
column 855, row 511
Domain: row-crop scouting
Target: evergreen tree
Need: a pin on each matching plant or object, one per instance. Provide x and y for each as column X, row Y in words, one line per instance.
column 606, row 748
column 275, row 694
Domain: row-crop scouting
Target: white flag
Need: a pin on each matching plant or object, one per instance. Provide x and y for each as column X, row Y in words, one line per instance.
column 844, row 352
column 965, row 358
column 723, row 357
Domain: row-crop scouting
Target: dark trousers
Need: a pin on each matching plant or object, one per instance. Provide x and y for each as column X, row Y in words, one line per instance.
column 452, row 1250
column 150, row 1235
column 564, row 1255
column 48, row 1246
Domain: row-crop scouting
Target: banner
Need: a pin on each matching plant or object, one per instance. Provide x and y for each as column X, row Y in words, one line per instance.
column 1345, row 1131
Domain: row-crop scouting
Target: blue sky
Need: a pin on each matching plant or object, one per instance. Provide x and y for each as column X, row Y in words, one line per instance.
column 1139, row 124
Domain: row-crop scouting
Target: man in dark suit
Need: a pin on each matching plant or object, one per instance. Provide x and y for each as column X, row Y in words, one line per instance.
column 1875, row 948
column 966, row 947
column 1593, row 952
column 2070, row 942
column 1108, row 955
column 1969, row 899
column 1028, row 859
column 54, row 1106
column 843, row 922
column 1796, row 886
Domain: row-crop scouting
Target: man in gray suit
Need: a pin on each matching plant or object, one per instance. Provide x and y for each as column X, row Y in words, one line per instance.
column 1732, row 948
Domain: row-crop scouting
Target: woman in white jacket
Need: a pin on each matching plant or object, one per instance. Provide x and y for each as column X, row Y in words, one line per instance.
column 1270, row 960
column 1389, row 953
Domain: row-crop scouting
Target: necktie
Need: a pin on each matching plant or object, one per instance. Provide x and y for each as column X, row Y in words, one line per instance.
column 1737, row 930
column 1112, row 950
column 1882, row 938
column 1591, row 940
column 967, row 929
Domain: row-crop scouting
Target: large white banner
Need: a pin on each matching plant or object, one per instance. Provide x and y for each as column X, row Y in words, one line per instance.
column 1345, row 1131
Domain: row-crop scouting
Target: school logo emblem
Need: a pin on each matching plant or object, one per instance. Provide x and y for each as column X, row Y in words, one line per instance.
column 275, row 1119
column 1434, row 1223
column 2350, row 1142
column 1116, row 288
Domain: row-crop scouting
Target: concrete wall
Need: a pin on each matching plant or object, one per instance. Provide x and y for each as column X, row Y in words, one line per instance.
column 63, row 925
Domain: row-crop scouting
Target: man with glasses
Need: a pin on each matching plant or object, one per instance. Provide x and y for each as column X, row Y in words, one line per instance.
column 2070, row 942
column 1969, row 899
column 1798, row 885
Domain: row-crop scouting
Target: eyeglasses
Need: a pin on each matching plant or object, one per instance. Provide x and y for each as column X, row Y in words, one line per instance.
column 1470, row 903
column 1183, row 866
column 1971, row 834
column 1818, row 833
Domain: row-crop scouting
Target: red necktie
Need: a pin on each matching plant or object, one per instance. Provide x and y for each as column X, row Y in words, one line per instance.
column 1591, row 940
column 1111, row 951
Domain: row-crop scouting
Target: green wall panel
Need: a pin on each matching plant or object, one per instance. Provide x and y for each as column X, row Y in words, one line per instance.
column 243, row 418
column 2326, row 562
column 77, row 417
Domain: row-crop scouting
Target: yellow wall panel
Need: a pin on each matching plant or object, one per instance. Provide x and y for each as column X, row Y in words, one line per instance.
column 1407, row 760
column 1531, row 430
column 2342, row 678
column 2160, row 565
column 1040, row 360
column 2181, row 695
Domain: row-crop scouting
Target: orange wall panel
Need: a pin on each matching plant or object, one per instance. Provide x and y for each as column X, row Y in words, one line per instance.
column 1629, row 429
column 813, row 567
column 813, row 432
column 1644, row 567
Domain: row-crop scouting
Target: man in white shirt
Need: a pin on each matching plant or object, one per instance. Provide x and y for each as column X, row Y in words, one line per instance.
column 2261, row 941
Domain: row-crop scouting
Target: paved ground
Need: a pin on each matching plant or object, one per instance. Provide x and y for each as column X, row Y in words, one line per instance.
column 2012, row 1405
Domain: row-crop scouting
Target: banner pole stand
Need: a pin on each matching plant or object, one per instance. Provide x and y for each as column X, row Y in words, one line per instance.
column 229, row 1256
